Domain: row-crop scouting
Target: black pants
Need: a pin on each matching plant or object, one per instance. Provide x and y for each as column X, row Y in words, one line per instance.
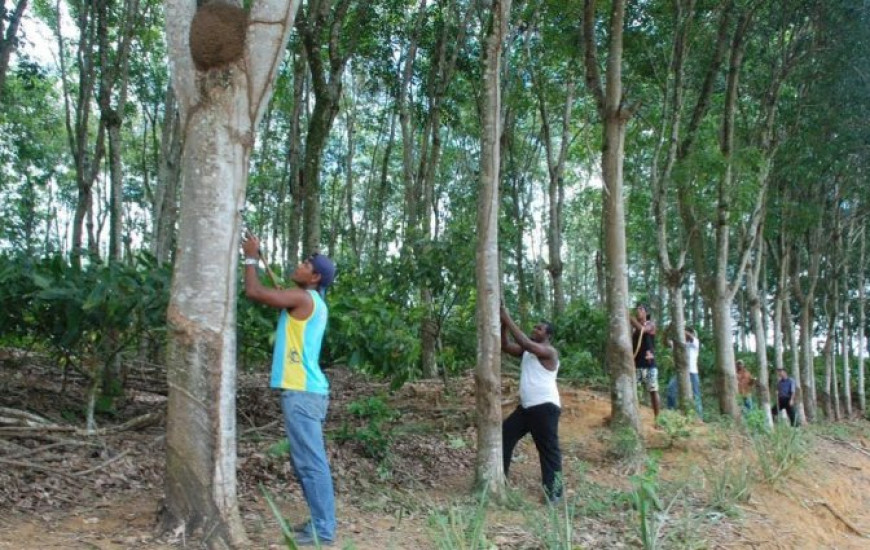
column 784, row 405
column 543, row 422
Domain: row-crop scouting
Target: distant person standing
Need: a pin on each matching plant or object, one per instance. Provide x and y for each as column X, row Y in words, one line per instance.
column 693, row 348
column 540, row 407
column 745, row 383
column 643, row 338
column 785, row 392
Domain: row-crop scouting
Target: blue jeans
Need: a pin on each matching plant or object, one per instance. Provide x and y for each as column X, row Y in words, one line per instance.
column 673, row 393
column 304, row 414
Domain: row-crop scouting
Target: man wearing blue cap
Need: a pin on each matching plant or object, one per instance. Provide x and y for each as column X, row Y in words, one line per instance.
column 296, row 373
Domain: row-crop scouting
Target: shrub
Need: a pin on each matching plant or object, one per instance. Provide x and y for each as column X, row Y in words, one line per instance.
column 375, row 436
column 674, row 424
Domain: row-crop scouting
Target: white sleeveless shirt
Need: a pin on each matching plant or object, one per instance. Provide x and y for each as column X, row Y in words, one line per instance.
column 537, row 384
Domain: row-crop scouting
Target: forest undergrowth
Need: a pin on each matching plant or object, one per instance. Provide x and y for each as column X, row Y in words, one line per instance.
column 404, row 461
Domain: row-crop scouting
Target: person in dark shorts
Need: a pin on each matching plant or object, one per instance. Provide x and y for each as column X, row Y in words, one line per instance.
column 643, row 340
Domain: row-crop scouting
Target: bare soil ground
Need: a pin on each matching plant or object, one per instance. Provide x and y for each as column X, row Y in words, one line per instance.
column 62, row 489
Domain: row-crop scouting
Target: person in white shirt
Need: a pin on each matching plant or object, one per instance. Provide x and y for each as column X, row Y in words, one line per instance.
column 539, row 408
column 693, row 347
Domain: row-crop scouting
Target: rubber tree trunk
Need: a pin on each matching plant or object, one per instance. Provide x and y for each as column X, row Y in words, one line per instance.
column 618, row 354
column 678, row 320
column 489, row 468
column 168, row 181
column 220, row 110
column 722, row 330
column 754, row 276
column 862, row 320
column 9, row 24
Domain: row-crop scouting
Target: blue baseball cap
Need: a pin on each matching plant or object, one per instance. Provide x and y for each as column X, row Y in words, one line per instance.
column 324, row 267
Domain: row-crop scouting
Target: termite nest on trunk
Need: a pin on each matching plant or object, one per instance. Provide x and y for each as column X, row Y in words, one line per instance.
column 217, row 35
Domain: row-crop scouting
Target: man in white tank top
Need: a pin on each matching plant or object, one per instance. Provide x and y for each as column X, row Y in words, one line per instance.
column 540, row 407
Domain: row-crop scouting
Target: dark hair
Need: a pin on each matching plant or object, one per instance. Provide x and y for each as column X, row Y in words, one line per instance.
column 690, row 330
column 548, row 327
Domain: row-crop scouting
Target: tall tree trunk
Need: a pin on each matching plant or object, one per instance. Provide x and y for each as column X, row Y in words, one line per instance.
column 220, row 110
column 721, row 293
column 77, row 108
column 423, row 183
column 320, row 27
column 830, row 397
column 380, row 201
column 350, row 119
column 796, row 374
column 315, row 141
column 754, row 277
column 779, row 301
column 862, row 320
column 619, row 357
column 847, row 335
column 489, row 468
column 168, row 180
column 294, row 161
column 805, row 297
column 669, row 137
column 115, row 76
column 9, row 24
column 556, row 176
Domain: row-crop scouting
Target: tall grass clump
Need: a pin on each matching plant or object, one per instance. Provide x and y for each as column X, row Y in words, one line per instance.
column 730, row 483
column 779, row 451
column 460, row 527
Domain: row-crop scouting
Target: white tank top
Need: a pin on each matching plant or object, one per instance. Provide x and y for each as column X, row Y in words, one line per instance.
column 537, row 384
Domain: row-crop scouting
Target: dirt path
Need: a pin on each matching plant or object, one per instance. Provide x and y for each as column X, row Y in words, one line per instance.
column 823, row 504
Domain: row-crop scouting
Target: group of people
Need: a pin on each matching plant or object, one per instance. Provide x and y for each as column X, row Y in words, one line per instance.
column 643, row 342
column 304, row 390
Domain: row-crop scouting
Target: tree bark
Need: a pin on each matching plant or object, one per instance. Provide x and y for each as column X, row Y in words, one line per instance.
column 77, row 108
column 794, row 351
column 489, row 467
column 862, row 320
column 721, row 293
column 295, row 181
column 323, row 19
column 806, row 298
column 168, row 180
column 9, row 36
column 219, row 111
column 756, row 296
column 556, row 176
column 618, row 355
column 115, row 76
column 847, row 335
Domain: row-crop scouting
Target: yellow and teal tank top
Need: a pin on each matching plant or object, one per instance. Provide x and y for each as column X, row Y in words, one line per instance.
column 296, row 358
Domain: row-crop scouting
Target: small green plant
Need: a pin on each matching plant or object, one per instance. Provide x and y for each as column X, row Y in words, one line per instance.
column 591, row 498
column 779, row 451
column 674, row 424
column 460, row 527
column 730, row 483
column 286, row 530
column 756, row 421
column 279, row 448
column 375, row 436
column 555, row 527
column 646, row 501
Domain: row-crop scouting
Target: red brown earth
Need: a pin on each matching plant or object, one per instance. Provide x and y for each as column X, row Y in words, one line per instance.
column 63, row 490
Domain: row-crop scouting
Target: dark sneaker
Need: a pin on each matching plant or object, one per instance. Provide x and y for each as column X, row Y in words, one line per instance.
column 307, row 539
column 300, row 527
